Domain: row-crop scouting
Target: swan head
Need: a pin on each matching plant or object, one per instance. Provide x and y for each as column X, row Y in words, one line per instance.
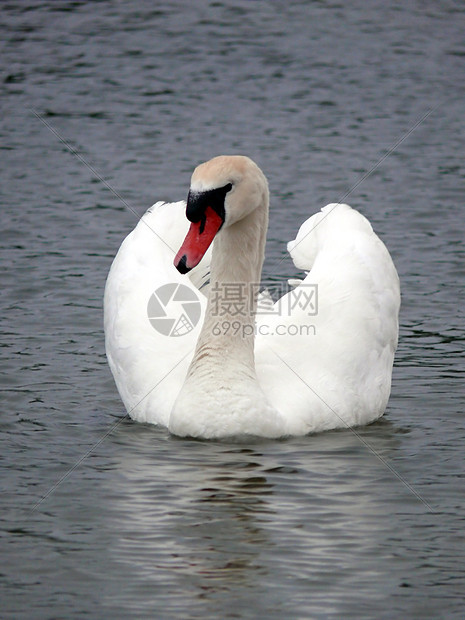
column 223, row 191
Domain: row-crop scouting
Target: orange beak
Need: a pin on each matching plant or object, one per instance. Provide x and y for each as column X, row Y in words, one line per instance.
column 198, row 240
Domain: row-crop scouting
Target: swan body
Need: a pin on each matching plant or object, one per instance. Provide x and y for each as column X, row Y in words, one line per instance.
column 319, row 358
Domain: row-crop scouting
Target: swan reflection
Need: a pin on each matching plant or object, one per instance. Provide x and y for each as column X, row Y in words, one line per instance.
column 211, row 520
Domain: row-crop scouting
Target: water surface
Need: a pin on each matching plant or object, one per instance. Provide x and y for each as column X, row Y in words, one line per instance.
column 147, row 525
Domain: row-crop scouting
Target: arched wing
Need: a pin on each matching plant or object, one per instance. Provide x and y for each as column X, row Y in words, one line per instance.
column 324, row 356
column 153, row 314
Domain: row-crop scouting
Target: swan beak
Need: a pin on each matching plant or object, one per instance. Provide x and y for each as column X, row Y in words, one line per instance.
column 198, row 240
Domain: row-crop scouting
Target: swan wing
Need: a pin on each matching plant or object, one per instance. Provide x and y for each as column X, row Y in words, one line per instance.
column 153, row 314
column 324, row 357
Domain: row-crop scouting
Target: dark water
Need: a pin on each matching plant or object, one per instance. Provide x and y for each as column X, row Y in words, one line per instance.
column 147, row 525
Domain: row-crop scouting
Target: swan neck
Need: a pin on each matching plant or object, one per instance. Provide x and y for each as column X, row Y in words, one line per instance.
column 236, row 266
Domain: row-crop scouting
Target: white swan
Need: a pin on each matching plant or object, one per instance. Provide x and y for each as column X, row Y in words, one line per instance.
column 307, row 367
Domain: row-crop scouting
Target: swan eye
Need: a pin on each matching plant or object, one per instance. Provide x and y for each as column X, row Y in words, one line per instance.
column 228, row 187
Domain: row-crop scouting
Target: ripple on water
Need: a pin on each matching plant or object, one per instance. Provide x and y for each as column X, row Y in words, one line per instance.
column 147, row 525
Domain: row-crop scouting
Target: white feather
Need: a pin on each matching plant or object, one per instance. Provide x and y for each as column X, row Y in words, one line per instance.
column 317, row 368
